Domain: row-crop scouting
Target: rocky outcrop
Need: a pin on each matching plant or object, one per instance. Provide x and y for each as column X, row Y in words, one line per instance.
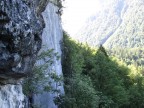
column 21, row 28
column 20, row 39
column 11, row 96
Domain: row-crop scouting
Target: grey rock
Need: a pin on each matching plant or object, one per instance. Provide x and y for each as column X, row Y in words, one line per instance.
column 51, row 39
column 20, row 37
column 11, row 96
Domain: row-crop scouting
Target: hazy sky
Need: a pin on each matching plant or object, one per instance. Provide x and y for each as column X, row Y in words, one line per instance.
column 76, row 12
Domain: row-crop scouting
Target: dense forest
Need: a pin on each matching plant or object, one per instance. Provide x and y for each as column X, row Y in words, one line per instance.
column 130, row 56
column 93, row 79
column 105, row 68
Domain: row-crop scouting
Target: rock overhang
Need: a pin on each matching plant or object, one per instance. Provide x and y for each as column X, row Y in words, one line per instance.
column 20, row 38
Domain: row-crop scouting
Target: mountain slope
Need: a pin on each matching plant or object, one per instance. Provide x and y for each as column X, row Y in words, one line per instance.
column 119, row 24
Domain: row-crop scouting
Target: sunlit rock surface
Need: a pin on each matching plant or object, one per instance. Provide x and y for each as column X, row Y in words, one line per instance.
column 51, row 39
column 11, row 96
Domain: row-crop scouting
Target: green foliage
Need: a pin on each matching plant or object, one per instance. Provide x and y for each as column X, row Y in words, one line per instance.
column 108, row 78
column 78, row 87
column 131, row 56
column 95, row 80
column 40, row 80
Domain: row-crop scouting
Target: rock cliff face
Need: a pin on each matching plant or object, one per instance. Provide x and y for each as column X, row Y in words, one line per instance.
column 19, row 38
column 11, row 96
column 21, row 27
column 51, row 39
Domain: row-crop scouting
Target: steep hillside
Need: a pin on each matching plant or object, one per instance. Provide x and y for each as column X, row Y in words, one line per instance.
column 92, row 79
column 119, row 24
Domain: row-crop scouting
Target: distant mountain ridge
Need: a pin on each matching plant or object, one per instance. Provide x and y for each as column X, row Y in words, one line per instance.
column 120, row 24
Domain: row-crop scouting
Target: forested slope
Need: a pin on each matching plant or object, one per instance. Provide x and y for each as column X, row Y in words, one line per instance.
column 119, row 24
column 92, row 79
